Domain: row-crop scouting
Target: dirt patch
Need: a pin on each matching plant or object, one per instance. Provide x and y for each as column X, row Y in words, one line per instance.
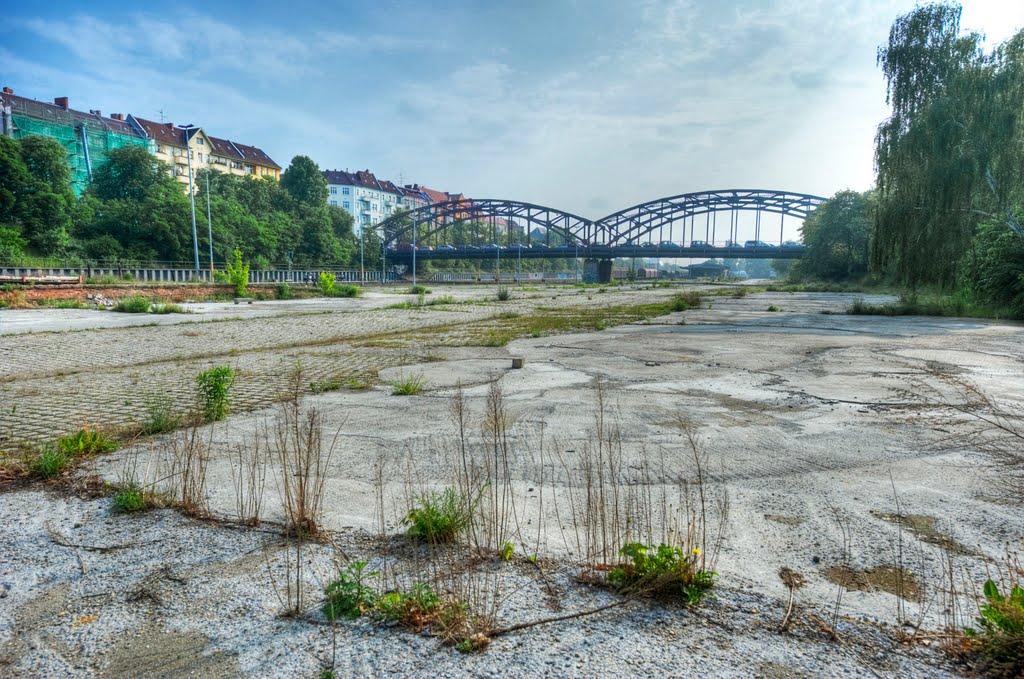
column 31, row 297
column 923, row 527
column 784, row 519
column 897, row 581
column 158, row 653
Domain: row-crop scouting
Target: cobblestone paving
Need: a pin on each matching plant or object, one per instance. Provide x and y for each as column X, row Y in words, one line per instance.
column 52, row 383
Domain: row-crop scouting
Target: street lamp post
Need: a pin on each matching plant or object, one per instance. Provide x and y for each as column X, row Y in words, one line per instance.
column 209, row 220
column 192, row 195
column 414, row 253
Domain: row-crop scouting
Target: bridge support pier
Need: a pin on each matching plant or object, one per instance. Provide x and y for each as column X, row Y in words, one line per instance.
column 597, row 271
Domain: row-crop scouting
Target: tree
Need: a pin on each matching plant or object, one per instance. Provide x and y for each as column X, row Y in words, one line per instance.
column 304, row 182
column 837, row 235
column 993, row 269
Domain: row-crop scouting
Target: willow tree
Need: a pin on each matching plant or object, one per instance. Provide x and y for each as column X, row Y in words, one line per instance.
column 948, row 157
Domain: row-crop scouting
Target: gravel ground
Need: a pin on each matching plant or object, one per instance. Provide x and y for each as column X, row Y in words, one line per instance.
column 90, row 593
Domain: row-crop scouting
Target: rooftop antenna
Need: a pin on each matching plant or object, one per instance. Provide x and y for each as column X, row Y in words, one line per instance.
column 161, row 114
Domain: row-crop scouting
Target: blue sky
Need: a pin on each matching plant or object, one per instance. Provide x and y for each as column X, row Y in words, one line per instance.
column 586, row 106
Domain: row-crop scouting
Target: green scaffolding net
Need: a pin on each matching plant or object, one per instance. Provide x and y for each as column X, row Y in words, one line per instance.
column 68, row 131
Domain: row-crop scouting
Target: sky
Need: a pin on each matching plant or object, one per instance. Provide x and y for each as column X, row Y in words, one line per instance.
column 587, row 106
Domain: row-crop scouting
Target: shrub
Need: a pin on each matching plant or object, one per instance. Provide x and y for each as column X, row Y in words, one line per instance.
column 50, row 462
column 665, row 570
column 685, row 301
column 999, row 641
column 419, row 290
column 214, row 385
column 283, row 291
column 130, row 499
column 439, row 517
column 772, row 307
column 349, row 596
column 408, row 386
column 136, row 304
column 504, row 294
column 237, row 273
column 85, row 442
column 326, row 283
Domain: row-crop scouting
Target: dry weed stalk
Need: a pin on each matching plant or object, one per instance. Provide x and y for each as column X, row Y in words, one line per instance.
column 189, row 457
column 249, row 476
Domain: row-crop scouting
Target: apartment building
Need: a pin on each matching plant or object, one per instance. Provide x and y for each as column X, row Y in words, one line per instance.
column 369, row 200
column 173, row 144
column 87, row 138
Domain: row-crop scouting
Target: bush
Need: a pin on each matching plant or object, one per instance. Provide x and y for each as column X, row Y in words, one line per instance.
column 237, row 273
column 685, row 301
column 504, row 294
column 349, row 596
column 283, row 291
column 408, row 386
column 214, row 385
column 999, row 641
column 136, row 304
column 85, row 442
column 326, row 283
column 160, row 416
column 130, row 499
column 772, row 307
column 418, row 290
column 665, row 570
column 439, row 517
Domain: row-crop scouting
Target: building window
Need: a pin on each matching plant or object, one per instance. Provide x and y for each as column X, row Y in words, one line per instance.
column 334, row 190
column 366, row 219
column 348, row 205
column 334, row 203
column 345, row 190
column 199, row 140
column 200, row 156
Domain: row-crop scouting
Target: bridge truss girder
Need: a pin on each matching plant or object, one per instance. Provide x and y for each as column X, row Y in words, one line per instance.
column 633, row 223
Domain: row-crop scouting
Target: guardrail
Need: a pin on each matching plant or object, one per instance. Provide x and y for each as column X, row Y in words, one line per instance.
column 175, row 275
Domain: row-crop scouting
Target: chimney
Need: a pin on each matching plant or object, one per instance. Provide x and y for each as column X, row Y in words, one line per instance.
column 96, row 112
column 170, row 125
column 117, row 116
column 62, row 102
column 8, row 90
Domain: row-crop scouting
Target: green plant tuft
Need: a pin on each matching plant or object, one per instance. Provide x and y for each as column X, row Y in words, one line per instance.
column 349, row 596
column 85, row 442
column 439, row 517
column 214, row 385
column 135, row 304
column 408, row 386
column 418, row 290
column 326, row 283
column 50, row 462
column 130, row 499
column 998, row 643
column 504, row 293
column 662, row 570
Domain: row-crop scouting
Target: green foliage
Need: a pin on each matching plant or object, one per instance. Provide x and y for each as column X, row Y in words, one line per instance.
column 86, row 442
column 439, row 517
column 999, row 639
column 948, row 156
column 168, row 308
column 685, row 301
column 50, row 462
column 214, row 386
column 283, row 291
column 772, row 307
column 993, row 269
column 237, row 272
column 662, row 570
column 346, row 290
column 135, row 304
column 837, row 235
column 130, row 499
column 507, row 551
column 37, row 206
column 413, row 609
column 349, row 596
column 504, row 294
column 304, row 182
column 418, row 289
column 160, row 415
column 326, row 282
column 408, row 386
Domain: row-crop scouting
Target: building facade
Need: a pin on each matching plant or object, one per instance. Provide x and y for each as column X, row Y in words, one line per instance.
column 173, row 144
column 87, row 138
column 368, row 199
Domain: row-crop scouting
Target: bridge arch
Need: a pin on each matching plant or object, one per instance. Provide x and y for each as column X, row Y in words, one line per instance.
column 430, row 220
column 630, row 225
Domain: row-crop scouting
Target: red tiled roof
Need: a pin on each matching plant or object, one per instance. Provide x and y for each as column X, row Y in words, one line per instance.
column 162, row 133
column 255, row 155
column 40, row 110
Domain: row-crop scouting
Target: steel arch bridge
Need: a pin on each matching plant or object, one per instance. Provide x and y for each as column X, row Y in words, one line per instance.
column 671, row 225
